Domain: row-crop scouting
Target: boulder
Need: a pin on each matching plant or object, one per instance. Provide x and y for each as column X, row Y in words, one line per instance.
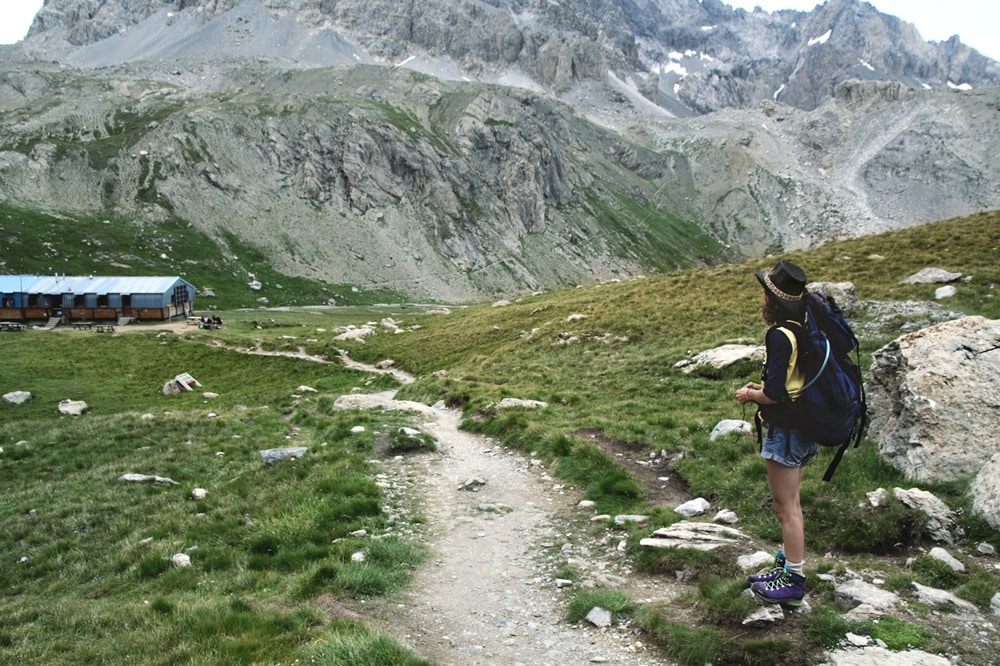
column 844, row 293
column 985, row 492
column 722, row 357
column 271, row 456
column 940, row 517
column 932, row 276
column 72, row 407
column 934, row 396
column 16, row 397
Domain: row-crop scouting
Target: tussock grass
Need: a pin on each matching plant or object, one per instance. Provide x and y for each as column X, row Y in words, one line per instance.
column 618, row 602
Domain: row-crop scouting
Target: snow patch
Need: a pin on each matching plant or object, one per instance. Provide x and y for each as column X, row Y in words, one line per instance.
column 779, row 91
column 959, row 86
column 866, row 64
column 822, row 39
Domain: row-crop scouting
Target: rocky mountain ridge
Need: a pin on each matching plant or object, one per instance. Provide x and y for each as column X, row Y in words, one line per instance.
column 553, row 168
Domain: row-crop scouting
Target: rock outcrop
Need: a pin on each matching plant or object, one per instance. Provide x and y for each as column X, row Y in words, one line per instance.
column 935, row 399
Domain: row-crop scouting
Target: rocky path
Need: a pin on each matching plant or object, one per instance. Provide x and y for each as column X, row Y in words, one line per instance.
column 488, row 595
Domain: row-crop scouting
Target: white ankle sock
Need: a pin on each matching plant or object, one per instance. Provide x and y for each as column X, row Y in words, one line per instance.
column 794, row 567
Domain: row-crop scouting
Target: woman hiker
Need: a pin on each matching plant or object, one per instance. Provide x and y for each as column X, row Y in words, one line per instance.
column 785, row 448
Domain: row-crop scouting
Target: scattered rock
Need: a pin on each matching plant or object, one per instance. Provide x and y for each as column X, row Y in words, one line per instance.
column 727, row 516
column 181, row 560
column 722, row 357
column 599, row 617
column 728, row 427
column 695, row 507
column 935, row 597
column 690, row 534
column 844, row 293
column 945, row 292
column 142, row 478
column 754, row 561
column 621, row 519
column 943, row 555
column 873, row 654
column 199, row 493
column 72, row 407
column 473, row 484
column 517, row 403
column 16, row 397
column 856, row 591
column 940, row 517
column 932, row 276
column 271, row 456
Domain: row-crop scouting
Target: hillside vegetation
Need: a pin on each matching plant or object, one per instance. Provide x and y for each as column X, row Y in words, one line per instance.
column 87, row 575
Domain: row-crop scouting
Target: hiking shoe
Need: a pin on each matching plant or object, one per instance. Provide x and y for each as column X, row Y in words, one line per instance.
column 787, row 589
column 770, row 574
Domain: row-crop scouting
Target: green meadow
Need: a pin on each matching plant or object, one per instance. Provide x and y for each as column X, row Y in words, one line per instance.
column 87, row 575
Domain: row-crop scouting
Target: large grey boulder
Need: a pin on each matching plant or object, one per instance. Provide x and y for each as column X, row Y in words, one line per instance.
column 985, row 492
column 934, row 396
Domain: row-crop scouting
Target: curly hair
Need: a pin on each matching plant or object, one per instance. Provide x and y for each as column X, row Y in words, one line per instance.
column 774, row 311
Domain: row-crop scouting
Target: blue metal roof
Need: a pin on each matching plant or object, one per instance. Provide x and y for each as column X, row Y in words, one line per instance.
column 65, row 284
column 14, row 284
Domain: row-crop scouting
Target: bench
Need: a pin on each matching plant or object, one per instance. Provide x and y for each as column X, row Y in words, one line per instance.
column 106, row 329
column 82, row 325
column 11, row 326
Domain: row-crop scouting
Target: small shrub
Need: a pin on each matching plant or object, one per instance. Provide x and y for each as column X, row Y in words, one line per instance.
column 407, row 440
column 616, row 601
column 356, row 645
column 980, row 590
column 935, row 573
column 898, row 634
column 723, row 601
column 766, row 652
column 162, row 606
column 691, row 646
column 824, row 627
column 152, row 566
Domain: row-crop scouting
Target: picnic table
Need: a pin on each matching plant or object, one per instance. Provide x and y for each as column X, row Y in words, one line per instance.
column 83, row 325
column 106, row 328
column 11, row 326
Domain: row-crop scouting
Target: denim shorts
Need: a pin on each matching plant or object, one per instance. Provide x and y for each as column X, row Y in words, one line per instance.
column 788, row 447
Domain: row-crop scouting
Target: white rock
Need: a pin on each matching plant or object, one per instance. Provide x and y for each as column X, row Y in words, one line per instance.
column 727, row 516
column 599, row 617
column 357, row 429
column 858, row 641
column 181, row 560
column 16, row 397
column 932, row 276
column 729, row 427
column 199, row 493
column 754, row 561
column 359, row 556
column 943, row 555
column 72, row 407
column 945, row 292
column 695, row 507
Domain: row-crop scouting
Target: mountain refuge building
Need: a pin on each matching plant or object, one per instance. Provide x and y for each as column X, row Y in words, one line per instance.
column 29, row 298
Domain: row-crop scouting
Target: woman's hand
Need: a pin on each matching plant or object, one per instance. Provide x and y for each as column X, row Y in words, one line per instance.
column 746, row 393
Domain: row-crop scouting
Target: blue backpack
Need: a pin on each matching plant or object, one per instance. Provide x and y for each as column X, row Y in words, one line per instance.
column 832, row 403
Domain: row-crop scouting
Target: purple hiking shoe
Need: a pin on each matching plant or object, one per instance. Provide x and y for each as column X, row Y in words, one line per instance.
column 767, row 575
column 787, row 589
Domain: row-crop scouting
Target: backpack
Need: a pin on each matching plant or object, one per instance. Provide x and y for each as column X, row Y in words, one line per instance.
column 832, row 404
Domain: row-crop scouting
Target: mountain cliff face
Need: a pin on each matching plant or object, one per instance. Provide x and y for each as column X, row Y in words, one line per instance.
column 455, row 151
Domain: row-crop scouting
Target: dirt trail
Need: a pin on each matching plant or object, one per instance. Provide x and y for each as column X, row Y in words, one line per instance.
column 487, row 595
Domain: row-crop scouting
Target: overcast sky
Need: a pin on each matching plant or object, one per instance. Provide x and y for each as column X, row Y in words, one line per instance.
column 977, row 22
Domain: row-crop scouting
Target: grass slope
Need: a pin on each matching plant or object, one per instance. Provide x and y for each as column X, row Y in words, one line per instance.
column 87, row 575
